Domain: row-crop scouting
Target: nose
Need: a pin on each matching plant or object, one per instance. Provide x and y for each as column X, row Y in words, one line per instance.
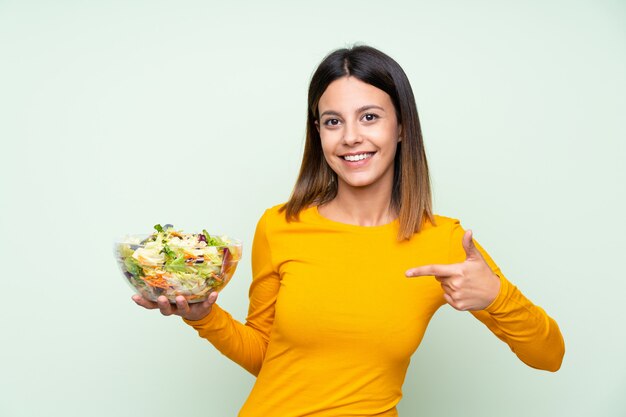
column 352, row 134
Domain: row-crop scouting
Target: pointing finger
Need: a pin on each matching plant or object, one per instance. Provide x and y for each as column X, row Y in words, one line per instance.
column 431, row 270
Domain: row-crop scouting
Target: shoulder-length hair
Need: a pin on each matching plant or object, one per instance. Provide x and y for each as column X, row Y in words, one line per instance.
column 411, row 195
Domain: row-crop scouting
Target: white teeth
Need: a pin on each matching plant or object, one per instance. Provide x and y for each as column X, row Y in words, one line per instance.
column 354, row 158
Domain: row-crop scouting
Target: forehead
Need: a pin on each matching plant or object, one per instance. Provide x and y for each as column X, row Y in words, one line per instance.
column 349, row 93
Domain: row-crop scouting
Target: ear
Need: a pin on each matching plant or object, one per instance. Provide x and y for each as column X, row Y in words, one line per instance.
column 317, row 126
column 399, row 133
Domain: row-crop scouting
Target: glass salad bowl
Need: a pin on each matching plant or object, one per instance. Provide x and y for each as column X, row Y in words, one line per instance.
column 171, row 263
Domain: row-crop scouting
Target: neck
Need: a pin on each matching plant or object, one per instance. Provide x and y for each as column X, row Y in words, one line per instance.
column 360, row 206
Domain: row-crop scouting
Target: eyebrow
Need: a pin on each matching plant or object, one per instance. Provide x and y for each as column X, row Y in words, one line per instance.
column 359, row 110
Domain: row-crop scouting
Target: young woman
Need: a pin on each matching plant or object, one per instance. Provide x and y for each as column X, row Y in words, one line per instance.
column 348, row 273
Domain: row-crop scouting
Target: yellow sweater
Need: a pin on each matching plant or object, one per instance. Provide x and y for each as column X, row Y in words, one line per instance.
column 333, row 321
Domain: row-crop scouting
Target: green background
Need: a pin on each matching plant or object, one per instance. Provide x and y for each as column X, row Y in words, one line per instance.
column 116, row 115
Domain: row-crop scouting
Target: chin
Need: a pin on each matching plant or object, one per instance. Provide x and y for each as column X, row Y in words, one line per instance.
column 357, row 182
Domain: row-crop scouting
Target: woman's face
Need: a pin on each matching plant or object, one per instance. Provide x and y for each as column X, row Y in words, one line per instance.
column 359, row 132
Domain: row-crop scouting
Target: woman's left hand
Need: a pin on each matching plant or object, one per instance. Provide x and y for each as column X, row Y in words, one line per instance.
column 469, row 285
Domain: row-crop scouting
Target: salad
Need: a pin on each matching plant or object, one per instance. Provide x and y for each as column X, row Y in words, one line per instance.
column 171, row 263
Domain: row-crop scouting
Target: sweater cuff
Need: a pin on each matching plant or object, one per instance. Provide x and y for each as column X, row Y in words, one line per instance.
column 212, row 317
column 498, row 304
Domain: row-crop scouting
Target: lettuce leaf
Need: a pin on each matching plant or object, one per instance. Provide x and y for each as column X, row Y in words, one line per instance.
column 133, row 267
column 177, row 265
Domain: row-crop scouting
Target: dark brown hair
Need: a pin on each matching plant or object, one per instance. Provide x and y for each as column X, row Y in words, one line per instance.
column 317, row 183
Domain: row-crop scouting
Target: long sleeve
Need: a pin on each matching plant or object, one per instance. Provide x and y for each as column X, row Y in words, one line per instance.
column 246, row 344
column 530, row 333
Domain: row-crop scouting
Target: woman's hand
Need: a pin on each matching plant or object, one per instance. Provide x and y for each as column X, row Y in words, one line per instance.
column 182, row 308
column 469, row 285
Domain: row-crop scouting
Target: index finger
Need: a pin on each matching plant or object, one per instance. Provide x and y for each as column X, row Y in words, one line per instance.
column 437, row 270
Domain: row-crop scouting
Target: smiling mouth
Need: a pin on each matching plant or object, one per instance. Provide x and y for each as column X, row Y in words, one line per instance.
column 357, row 157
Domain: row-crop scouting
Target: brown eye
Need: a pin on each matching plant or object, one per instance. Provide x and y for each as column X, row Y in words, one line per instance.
column 369, row 117
column 331, row 122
